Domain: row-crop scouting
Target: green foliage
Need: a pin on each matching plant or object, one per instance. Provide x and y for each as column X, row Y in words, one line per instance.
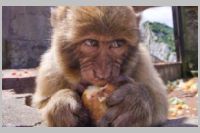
column 163, row 32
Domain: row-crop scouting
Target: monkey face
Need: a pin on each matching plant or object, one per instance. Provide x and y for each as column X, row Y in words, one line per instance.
column 95, row 41
column 101, row 59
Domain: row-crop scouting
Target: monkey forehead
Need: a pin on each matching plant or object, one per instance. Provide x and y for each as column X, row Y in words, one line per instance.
column 103, row 20
column 104, row 13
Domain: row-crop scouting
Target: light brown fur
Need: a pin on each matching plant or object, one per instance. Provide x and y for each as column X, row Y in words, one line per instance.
column 58, row 71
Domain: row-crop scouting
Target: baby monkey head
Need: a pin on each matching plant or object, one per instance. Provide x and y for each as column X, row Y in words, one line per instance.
column 96, row 42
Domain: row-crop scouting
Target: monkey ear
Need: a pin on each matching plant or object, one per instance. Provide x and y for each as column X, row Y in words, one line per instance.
column 138, row 18
column 58, row 14
column 53, row 16
column 139, row 9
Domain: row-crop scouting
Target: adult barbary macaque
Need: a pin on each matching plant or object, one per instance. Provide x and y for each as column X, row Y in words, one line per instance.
column 98, row 46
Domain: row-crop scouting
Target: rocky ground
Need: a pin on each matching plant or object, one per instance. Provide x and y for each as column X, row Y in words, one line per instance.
column 182, row 95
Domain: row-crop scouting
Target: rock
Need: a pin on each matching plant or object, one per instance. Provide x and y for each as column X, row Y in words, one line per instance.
column 15, row 113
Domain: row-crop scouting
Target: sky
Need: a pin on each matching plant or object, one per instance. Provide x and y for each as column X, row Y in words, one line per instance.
column 158, row 14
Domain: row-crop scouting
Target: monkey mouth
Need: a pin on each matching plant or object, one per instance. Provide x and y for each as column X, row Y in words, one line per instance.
column 91, row 77
column 100, row 83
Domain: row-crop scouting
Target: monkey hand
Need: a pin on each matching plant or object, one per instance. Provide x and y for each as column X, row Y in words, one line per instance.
column 80, row 87
column 65, row 109
column 129, row 105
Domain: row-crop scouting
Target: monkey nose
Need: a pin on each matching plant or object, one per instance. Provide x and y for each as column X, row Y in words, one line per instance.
column 102, row 76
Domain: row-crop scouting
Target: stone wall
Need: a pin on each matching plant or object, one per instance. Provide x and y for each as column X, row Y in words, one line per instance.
column 26, row 35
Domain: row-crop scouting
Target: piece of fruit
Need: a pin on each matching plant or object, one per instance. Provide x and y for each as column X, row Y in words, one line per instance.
column 189, row 83
column 94, row 100
column 179, row 106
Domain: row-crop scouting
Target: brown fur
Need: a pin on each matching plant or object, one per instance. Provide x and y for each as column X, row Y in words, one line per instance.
column 60, row 73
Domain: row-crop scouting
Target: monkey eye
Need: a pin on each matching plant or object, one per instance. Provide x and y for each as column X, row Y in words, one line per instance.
column 91, row 43
column 117, row 43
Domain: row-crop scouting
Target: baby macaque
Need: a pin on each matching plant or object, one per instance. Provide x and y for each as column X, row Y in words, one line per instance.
column 98, row 46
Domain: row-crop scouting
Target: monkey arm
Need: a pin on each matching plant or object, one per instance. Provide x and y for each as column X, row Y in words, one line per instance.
column 65, row 108
column 146, row 74
column 129, row 105
column 59, row 105
column 48, row 81
column 62, row 108
column 132, row 104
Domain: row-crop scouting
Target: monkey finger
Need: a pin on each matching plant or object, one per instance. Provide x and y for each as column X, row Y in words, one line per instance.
column 83, row 117
column 118, row 95
column 80, row 87
column 123, row 120
column 81, row 114
column 108, row 118
column 120, row 80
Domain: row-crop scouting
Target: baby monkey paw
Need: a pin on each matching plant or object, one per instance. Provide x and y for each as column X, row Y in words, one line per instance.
column 129, row 105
